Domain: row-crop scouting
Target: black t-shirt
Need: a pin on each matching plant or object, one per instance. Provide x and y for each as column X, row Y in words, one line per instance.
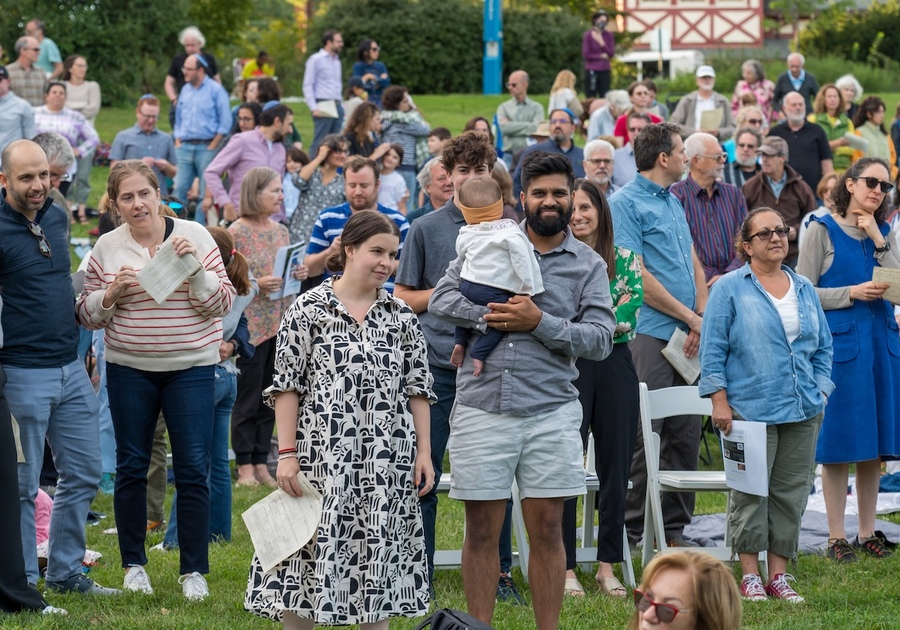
column 807, row 147
column 178, row 61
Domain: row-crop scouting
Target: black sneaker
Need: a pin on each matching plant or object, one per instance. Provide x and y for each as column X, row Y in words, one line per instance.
column 506, row 591
column 81, row 584
column 873, row 547
column 841, row 551
column 884, row 541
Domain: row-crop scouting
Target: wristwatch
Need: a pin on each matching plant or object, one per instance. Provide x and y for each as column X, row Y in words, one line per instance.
column 884, row 248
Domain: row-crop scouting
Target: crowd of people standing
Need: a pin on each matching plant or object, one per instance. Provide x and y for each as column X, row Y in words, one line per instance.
column 662, row 222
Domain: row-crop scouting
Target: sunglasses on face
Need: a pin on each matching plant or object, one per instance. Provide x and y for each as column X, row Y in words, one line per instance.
column 766, row 235
column 874, row 182
column 754, row 121
column 664, row 612
column 43, row 243
column 748, row 146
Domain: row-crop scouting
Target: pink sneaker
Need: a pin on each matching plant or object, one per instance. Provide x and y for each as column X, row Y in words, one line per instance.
column 752, row 588
column 779, row 588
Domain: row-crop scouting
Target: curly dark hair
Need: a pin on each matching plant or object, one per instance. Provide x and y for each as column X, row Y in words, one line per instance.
column 840, row 196
column 744, row 234
column 470, row 148
column 869, row 106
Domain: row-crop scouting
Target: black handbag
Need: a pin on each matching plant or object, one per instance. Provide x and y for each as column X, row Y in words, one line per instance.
column 447, row 619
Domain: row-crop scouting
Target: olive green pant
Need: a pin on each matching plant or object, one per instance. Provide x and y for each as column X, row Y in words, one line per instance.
column 156, row 475
column 772, row 523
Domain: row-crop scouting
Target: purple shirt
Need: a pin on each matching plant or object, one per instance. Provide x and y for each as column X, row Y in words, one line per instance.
column 243, row 152
column 322, row 79
column 70, row 125
column 714, row 222
column 596, row 57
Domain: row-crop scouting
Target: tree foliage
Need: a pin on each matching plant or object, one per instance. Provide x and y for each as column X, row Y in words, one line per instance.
column 436, row 47
column 862, row 36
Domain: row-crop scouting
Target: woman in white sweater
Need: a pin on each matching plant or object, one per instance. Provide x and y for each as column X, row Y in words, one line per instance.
column 159, row 356
column 84, row 97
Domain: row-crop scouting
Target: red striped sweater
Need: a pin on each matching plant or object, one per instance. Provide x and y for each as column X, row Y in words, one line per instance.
column 182, row 332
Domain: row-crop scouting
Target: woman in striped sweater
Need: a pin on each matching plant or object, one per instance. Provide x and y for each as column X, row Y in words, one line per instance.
column 159, row 356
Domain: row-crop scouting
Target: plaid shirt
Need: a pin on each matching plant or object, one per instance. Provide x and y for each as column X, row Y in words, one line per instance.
column 70, row 125
column 27, row 84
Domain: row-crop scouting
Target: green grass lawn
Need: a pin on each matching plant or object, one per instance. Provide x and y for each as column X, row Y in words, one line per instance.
column 864, row 596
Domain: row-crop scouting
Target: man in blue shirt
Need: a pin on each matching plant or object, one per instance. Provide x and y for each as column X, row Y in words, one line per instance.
column 202, row 119
column 145, row 142
column 650, row 221
column 322, row 86
column 361, row 190
column 48, row 390
column 562, row 128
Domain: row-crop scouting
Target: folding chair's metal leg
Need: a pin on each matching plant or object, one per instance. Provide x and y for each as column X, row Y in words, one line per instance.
column 587, row 525
column 649, row 533
column 627, row 566
column 519, row 531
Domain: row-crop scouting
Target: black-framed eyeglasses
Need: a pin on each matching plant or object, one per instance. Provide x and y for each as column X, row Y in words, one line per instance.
column 599, row 161
column 748, row 146
column 375, row 48
column 43, row 243
column 666, row 613
column 754, row 121
column 874, row 182
column 766, row 235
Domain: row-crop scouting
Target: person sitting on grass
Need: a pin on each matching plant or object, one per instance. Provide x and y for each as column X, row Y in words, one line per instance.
column 497, row 263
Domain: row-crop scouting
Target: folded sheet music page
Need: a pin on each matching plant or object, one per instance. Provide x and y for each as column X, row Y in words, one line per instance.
column 165, row 272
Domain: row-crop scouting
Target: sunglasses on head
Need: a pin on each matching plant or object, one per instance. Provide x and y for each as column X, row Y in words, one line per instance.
column 874, row 182
column 664, row 612
column 38, row 233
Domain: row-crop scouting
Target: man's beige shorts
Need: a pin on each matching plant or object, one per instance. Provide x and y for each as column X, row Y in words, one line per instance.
column 543, row 453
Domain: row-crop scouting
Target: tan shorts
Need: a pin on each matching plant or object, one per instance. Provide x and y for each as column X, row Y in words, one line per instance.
column 543, row 453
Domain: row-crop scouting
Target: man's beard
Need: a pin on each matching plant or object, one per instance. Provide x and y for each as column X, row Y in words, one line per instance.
column 749, row 162
column 552, row 227
column 796, row 120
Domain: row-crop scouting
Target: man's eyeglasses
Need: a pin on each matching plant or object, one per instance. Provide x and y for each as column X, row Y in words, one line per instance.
column 718, row 157
column 188, row 68
column 511, row 85
column 766, row 235
column 43, row 243
column 375, row 48
column 599, row 161
column 664, row 612
column 149, row 117
column 635, row 129
column 748, row 146
column 560, row 121
column 60, row 177
column 874, row 182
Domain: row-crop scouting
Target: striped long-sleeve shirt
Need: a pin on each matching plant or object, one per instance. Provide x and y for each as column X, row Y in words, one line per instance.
column 182, row 332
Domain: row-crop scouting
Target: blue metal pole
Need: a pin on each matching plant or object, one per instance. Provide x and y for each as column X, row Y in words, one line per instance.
column 492, row 65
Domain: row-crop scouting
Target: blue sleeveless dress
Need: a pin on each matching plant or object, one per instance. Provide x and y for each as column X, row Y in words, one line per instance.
column 863, row 415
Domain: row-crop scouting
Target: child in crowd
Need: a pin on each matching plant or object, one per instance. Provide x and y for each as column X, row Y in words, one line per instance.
column 294, row 161
column 438, row 137
column 392, row 191
column 498, row 262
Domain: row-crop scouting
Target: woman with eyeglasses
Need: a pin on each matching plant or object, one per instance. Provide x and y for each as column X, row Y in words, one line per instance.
column 686, row 591
column 765, row 356
column 750, row 117
column 840, row 252
column 372, row 72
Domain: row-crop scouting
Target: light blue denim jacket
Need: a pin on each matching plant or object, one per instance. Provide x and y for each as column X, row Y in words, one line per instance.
column 744, row 350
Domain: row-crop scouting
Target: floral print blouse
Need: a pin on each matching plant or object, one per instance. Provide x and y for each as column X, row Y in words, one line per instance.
column 627, row 291
column 314, row 197
column 765, row 97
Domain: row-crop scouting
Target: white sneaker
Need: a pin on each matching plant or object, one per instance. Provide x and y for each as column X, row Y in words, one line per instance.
column 158, row 547
column 194, row 587
column 53, row 610
column 137, row 580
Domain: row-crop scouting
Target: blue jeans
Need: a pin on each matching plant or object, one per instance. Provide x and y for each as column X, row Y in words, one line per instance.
column 186, row 400
column 107, row 433
column 219, row 480
column 59, row 404
column 408, row 173
column 324, row 126
column 192, row 161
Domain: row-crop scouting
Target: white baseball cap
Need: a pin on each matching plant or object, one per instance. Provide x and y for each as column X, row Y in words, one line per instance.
column 706, row 71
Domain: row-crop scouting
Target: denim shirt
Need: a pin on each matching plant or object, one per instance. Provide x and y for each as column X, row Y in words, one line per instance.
column 650, row 221
column 744, row 350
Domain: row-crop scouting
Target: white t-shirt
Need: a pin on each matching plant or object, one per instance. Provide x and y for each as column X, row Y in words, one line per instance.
column 788, row 311
column 703, row 105
column 391, row 190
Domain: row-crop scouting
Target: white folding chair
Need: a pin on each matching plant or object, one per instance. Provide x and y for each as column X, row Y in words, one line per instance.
column 587, row 553
column 658, row 405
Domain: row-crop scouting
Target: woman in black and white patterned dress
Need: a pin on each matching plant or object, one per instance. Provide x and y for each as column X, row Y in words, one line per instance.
column 351, row 394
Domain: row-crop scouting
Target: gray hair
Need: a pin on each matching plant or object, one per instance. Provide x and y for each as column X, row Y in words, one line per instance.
column 753, row 132
column 757, row 68
column 194, row 33
column 58, row 150
column 796, row 54
column 694, row 145
column 618, row 99
column 21, row 43
column 846, row 81
column 595, row 145
column 424, row 176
